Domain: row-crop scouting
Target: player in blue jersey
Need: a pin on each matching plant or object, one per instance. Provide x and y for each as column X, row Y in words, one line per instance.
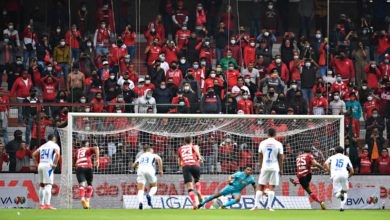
column 237, row 182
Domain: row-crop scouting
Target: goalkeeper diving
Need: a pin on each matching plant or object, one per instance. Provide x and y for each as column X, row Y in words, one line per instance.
column 237, row 182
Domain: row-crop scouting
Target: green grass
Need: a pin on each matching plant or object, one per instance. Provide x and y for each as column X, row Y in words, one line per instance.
column 97, row 214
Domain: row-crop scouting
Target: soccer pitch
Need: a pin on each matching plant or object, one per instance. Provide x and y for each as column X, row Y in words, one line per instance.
column 159, row 214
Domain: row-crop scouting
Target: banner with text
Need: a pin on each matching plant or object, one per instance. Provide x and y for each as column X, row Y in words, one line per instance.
column 363, row 198
column 110, row 189
column 14, row 197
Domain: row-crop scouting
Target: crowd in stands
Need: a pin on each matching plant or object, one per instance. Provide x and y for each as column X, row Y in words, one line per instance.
column 200, row 60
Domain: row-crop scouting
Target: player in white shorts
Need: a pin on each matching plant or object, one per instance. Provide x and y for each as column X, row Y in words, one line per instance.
column 49, row 154
column 271, row 166
column 340, row 168
column 146, row 173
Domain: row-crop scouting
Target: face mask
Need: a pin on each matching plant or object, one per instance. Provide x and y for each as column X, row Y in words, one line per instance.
column 375, row 115
column 296, row 57
column 49, row 68
column 386, row 60
column 369, row 98
column 162, row 58
column 231, row 68
column 336, row 97
column 103, row 26
column 373, row 65
column 173, row 67
column 89, row 44
column 247, row 80
column 278, row 61
column 120, row 99
column 307, row 65
column 62, row 43
column 219, row 69
column 270, row 7
column 233, row 41
column 186, row 88
column 87, row 110
column 182, row 61
column 118, row 111
column 294, row 86
column 82, row 100
column 252, row 44
column 318, row 36
column 245, row 97
column 200, row 8
column 147, row 81
column 6, row 40
column 184, row 28
column 207, row 43
column 196, row 66
column 266, row 33
column 11, row 27
column 212, row 75
column 364, row 87
column 163, row 87
column 338, row 79
column 19, row 62
column 148, row 96
column 112, row 77
column 203, row 63
column 329, row 73
column 141, row 86
column 58, row 30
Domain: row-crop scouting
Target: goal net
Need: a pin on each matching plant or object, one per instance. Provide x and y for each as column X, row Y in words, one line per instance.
column 227, row 142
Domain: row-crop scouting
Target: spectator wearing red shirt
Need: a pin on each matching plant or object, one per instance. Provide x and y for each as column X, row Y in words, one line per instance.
column 210, row 81
column 182, row 37
column 319, row 104
column 117, row 54
column 282, row 68
column 21, row 89
column 383, row 44
column 97, row 103
column 101, row 40
column 151, row 34
column 116, row 104
column 243, row 38
column 159, row 26
column 344, row 66
column 246, row 156
column 30, row 40
column 72, row 39
column 174, row 73
column 245, row 104
column 295, row 67
column 182, row 101
column 364, row 163
column 382, row 165
column 43, row 123
column 200, row 16
column 129, row 37
column 23, row 156
column 385, row 67
column 105, row 13
column 229, row 18
column 231, row 76
column 171, row 52
column 250, row 52
column 369, row 106
column 232, row 50
column 352, row 124
column 180, row 16
column 153, row 52
column 198, row 73
column 4, row 111
column 3, row 157
column 339, row 86
column 373, row 75
column 205, row 51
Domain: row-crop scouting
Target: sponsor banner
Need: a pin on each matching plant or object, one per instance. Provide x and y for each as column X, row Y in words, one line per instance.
column 110, row 189
column 14, row 197
column 363, row 198
column 246, row 202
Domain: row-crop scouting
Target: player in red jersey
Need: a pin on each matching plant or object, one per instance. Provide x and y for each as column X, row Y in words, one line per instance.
column 84, row 171
column 189, row 160
column 304, row 162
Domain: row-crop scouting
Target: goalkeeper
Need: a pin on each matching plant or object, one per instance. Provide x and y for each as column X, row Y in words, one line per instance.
column 237, row 182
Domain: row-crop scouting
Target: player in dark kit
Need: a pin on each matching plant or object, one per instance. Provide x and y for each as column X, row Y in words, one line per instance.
column 189, row 160
column 304, row 162
column 84, row 171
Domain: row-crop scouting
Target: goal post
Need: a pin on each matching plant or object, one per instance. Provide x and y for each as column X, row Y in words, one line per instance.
column 228, row 142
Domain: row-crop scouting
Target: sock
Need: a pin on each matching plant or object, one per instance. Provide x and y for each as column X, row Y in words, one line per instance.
column 198, row 187
column 89, row 192
column 337, row 194
column 229, row 203
column 208, row 199
column 271, row 195
column 314, row 197
column 296, row 182
column 47, row 194
column 41, row 196
column 258, row 196
column 153, row 191
column 81, row 192
column 343, row 202
column 192, row 197
column 140, row 196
